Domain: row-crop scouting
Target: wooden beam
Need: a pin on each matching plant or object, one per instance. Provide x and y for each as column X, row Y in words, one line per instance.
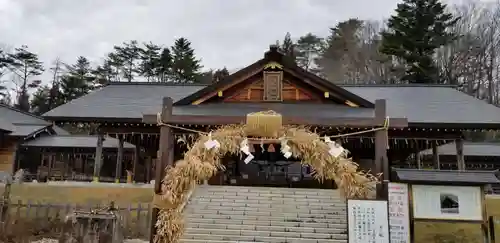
column 119, row 159
column 381, row 140
column 318, row 121
column 130, row 129
column 98, row 157
column 165, row 157
column 137, row 154
column 459, row 144
column 435, row 156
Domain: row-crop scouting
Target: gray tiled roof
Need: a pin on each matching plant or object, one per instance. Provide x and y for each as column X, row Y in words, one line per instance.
column 6, row 126
column 74, row 141
column 470, row 149
column 420, row 104
column 446, row 176
column 122, row 101
column 23, row 123
column 15, row 116
column 25, row 130
column 430, row 104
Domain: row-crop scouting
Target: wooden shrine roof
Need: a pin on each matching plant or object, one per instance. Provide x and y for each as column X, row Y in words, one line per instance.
column 446, row 177
column 484, row 149
column 22, row 124
column 422, row 105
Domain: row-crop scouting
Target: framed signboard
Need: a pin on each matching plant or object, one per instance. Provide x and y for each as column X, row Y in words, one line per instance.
column 368, row 221
column 447, row 202
column 399, row 213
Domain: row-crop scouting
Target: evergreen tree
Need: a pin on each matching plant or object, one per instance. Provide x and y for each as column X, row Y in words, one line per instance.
column 150, row 61
column 48, row 97
column 220, row 74
column 164, row 71
column 308, row 49
column 78, row 81
column 185, row 66
column 5, row 61
column 40, row 103
column 104, row 74
column 414, row 33
column 128, row 57
column 25, row 65
column 288, row 48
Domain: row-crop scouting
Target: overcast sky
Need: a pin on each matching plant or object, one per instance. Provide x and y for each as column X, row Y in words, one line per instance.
column 223, row 32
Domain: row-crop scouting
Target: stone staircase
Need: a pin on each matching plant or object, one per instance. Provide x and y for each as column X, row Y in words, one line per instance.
column 223, row 214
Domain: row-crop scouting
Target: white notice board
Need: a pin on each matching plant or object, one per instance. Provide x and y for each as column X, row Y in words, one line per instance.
column 399, row 213
column 447, row 202
column 368, row 221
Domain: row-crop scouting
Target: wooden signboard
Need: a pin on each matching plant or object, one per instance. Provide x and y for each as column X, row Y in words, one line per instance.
column 368, row 221
column 399, row 213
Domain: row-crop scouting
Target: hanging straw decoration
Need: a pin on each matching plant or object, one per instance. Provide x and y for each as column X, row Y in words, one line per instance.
column 203, row 161
column 263, row 124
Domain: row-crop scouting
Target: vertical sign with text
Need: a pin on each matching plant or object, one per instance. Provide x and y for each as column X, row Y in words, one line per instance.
column 399, row 213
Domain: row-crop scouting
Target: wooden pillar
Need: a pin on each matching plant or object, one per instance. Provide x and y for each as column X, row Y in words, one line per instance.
column 165, row 158
column 50, row 163
column 135, row 162
column 119, row 159
column 149, row 166
column 98, row 157
column 381, row 139
column 459, row 144
column 435, row 156
column 418, row 158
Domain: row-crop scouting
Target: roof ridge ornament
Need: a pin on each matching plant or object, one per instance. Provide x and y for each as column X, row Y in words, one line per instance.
column 273, row 65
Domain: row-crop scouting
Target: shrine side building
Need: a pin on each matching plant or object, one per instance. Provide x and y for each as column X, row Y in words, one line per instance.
column 420, row 117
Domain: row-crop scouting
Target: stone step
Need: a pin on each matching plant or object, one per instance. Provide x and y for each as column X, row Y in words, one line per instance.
column 261, row 203
column 296, row 209
column 231, row 241
column 267, row 239
column 293, row 218
column 315, row 214
column 290, row 223
column 267, row 233
column 197, row 227
column 266, row 189
column 282, row 198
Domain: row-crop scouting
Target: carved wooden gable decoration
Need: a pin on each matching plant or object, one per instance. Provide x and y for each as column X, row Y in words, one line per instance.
column 273, row 79
column 273, row 85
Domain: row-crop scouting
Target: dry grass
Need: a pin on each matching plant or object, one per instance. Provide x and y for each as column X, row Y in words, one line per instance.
column 122, row 196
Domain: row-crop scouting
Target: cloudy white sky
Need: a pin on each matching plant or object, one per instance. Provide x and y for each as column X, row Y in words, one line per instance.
column 223, row 32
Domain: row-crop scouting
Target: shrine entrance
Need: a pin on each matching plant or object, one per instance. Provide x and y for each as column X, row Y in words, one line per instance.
column 269, row 168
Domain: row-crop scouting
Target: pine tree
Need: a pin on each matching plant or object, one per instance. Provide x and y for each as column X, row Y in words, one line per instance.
column 220, row 74
column 185, row 66
column 150, row 61
column 308, row 48
column 414, row 33
column 104, row 74
column 128, row 57
column 288, row 48
column 48, row 97
column 78, row 81
column 25, row 65
column 164, row 71
column 5, row 61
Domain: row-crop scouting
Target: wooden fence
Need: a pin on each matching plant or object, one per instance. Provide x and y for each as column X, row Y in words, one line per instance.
column 37, row 218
